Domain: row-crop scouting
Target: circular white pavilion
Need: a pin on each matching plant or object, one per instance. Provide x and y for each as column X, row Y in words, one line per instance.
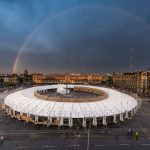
column 31, row 106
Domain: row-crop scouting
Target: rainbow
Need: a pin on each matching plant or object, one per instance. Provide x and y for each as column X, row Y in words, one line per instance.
column 14, row 70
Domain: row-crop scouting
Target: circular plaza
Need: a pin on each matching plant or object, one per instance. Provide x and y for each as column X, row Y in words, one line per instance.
column 70, row 105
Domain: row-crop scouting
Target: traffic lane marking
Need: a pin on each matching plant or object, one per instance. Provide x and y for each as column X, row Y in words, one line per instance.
column 48, row 146
column 22, row 148
column 146, row 144
column 126, row 144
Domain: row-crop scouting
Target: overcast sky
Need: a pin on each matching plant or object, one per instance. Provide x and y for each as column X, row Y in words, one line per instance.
column 63, row 35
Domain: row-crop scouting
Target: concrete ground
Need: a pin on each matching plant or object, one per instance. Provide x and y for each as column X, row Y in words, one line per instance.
column 21, row 135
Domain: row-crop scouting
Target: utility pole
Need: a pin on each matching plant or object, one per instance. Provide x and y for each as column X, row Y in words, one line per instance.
column 67, row 68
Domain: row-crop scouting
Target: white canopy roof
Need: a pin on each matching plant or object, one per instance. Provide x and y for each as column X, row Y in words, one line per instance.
column 24, row 101
column 62, row 90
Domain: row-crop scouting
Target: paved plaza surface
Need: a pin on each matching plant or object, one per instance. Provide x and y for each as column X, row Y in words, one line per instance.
column 21, row 135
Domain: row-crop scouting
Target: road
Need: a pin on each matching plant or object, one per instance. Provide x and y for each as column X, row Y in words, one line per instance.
column 75, row 142
column 21, row 135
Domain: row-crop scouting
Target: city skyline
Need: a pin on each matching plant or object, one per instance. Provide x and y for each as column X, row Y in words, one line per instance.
column 99, row 35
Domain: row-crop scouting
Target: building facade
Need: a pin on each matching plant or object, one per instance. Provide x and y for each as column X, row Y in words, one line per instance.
column 138, row 82
column 143, row 83
column 125, row 81
column 8, row 80
column 94, row 79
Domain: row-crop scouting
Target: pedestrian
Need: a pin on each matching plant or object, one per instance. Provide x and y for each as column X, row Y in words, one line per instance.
column 129, row 132
column 2, row 139
column 136, row 135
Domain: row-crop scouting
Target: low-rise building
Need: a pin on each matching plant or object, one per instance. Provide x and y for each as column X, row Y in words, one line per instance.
column 126, row 81
column 69, row 78
column 1, row 80
column 138, row 82
column 7, row 79
column 143, row 83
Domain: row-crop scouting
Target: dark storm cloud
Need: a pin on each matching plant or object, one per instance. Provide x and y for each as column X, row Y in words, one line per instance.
column 98, row 37
column 6, row 60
